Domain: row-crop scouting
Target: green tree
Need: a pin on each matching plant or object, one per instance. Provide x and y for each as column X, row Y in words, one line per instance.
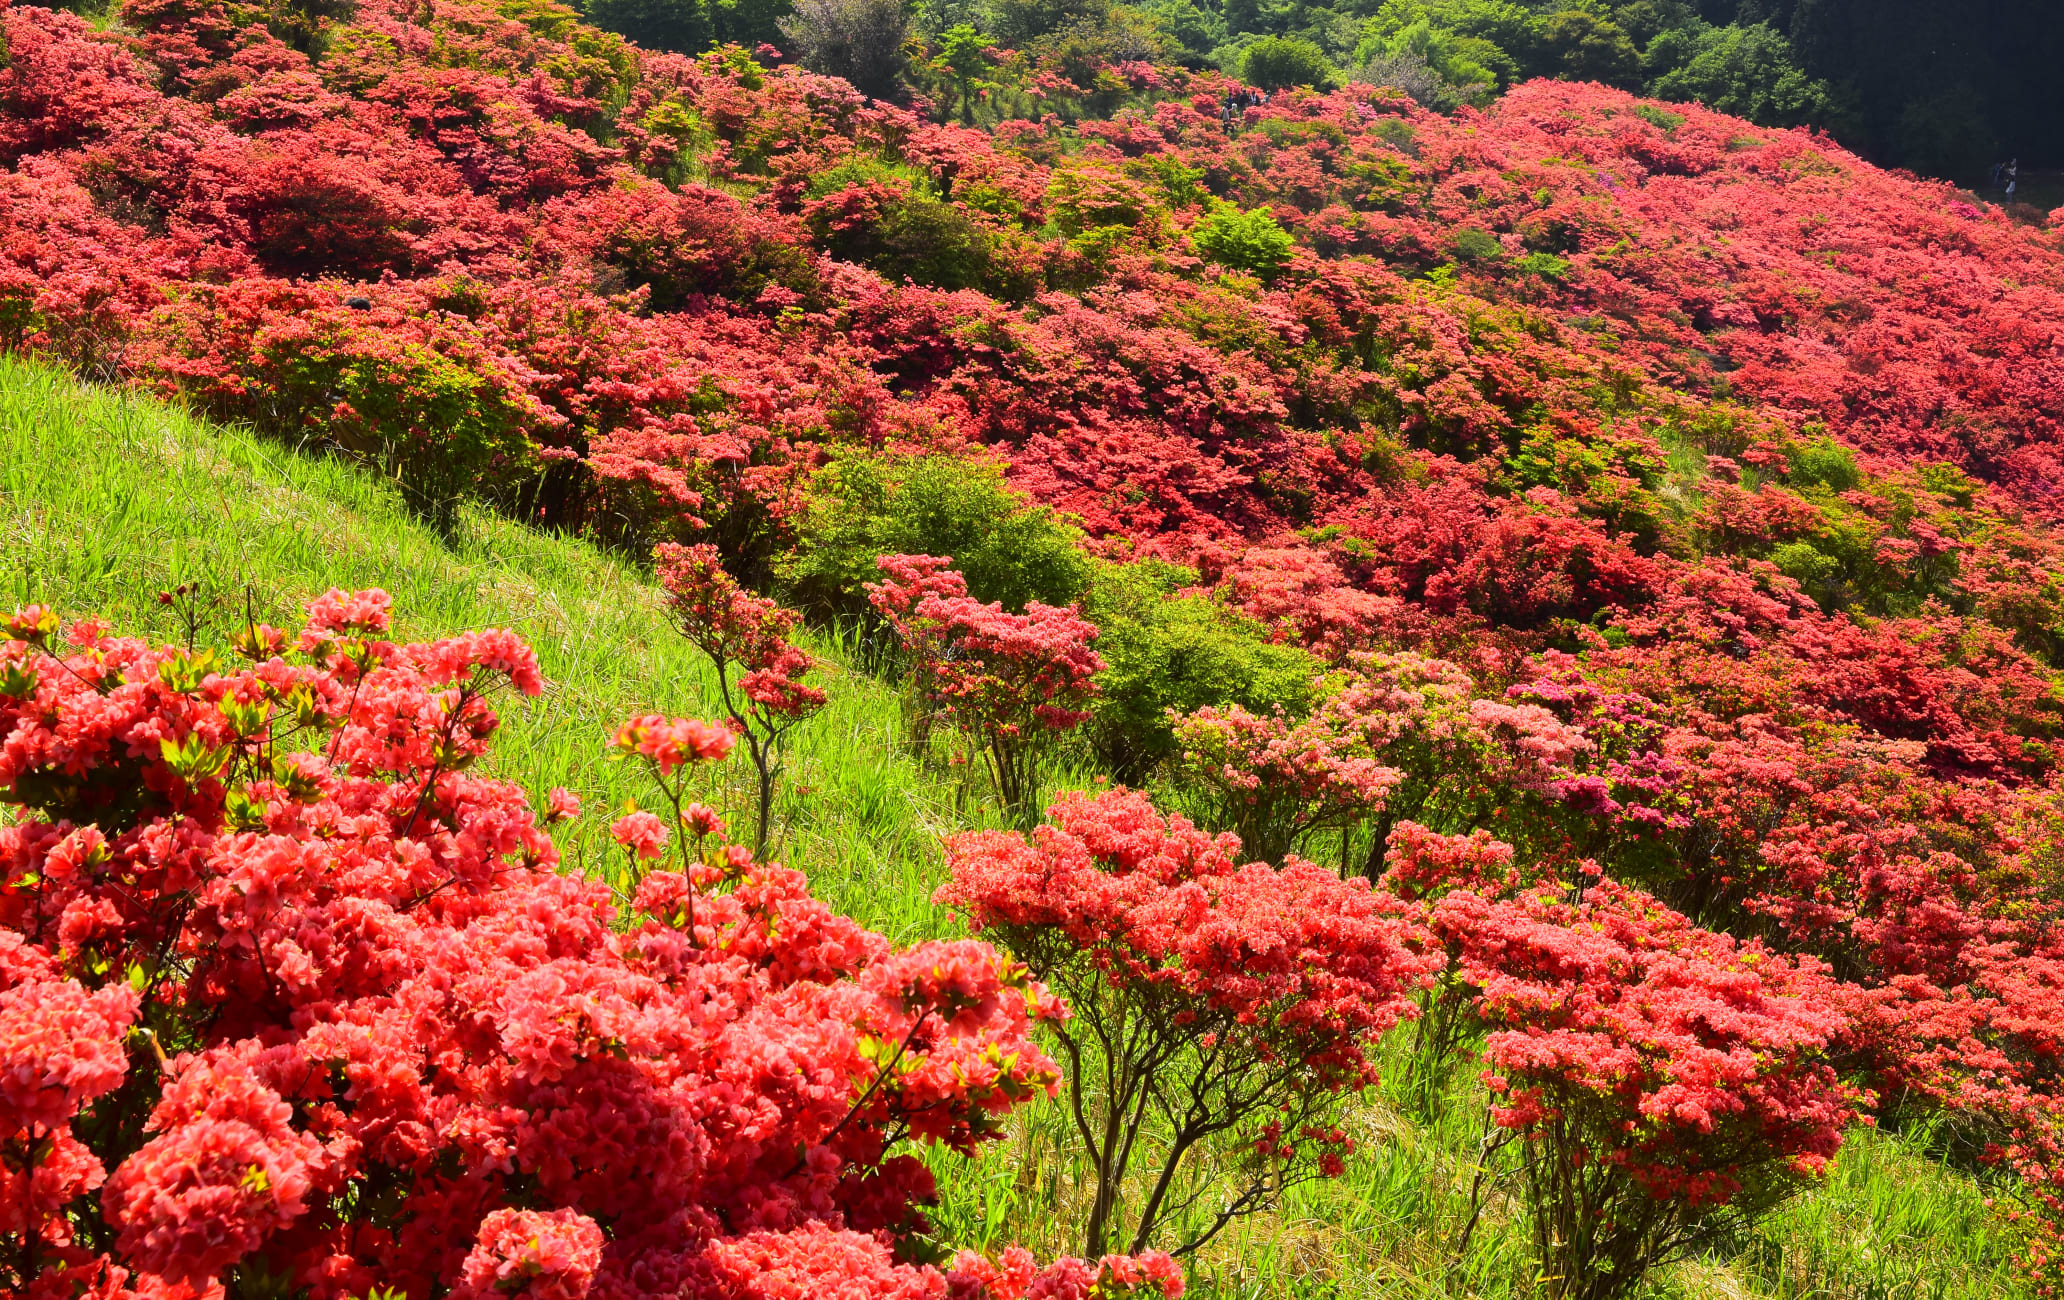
column 1280, row 62
column 1746, row 71
column 1459, row 64
column 963, row 57
column 860, row 40
column 1589, row 48
column 1467, row 42
column 1197, row 29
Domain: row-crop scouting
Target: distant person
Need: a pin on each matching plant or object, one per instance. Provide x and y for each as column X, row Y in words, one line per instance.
column 2013, row 178
column 1998, row 170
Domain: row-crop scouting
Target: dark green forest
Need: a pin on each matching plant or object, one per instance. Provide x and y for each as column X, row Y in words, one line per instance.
column 1945, row 88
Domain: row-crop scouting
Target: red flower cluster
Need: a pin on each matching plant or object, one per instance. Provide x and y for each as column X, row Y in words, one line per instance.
column 292, row 988
column 1668, row 1082
column 1275, row 783
column 1225, row 997
column 1010, row 682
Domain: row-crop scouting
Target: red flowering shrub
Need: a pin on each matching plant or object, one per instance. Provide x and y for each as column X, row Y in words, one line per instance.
column 1010, row 682
column 732, row 626
column 1235, row 1004
column 908, row 581
column 541, row 1256
column 299, row 994
column 1275, row 783
column 426, row 398
column 1668, row 1083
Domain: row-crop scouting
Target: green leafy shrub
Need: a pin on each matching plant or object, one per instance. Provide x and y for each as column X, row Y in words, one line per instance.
column 1280, row 62
column 1246, row 241
column 864, row 505
column 1164, row 652
column 1827, row 463
column 1472, row 245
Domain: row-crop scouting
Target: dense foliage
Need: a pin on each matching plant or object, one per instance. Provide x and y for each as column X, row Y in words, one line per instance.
column 1626, row 521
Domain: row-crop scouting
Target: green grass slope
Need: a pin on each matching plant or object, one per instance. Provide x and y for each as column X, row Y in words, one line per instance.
column 107, row 498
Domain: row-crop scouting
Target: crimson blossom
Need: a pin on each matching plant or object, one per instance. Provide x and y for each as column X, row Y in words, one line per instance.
column 1011, row 682
column 292, row 997
column 1669, row 1084
column 907, row 580
column 1226, row 1002
column 1276, row 783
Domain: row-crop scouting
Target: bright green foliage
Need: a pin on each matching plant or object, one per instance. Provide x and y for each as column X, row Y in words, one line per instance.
column 1825, row 462
column 963, row 58
column 1085, row 198
column 1800, row 560
column 1946, row 480
column 864, row 506
column 1198, row 29
column 1473, row 245
column 1747, row 71
column 1280, row 62
column 1166, row 652
column 1246, row 241
column 1470, row 64
column 1546, row 265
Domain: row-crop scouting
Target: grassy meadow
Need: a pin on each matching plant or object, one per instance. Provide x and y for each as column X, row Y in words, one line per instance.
column 107, row 498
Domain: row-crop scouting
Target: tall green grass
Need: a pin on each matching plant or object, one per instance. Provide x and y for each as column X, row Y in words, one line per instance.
column 107, row 498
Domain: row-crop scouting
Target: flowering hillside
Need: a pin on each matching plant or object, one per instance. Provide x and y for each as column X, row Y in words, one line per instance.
column 1584, row 572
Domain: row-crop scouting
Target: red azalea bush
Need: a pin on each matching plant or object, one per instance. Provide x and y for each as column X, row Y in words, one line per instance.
column 732, row 626
column 1668, row 1083
column 287, row 991
column 1275, row 783
column 1010, row 682
column 1236, row 1004
column 908, row 581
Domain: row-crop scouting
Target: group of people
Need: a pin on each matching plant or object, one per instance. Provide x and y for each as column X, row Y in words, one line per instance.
column 1236, row 106
column 2009, row 174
